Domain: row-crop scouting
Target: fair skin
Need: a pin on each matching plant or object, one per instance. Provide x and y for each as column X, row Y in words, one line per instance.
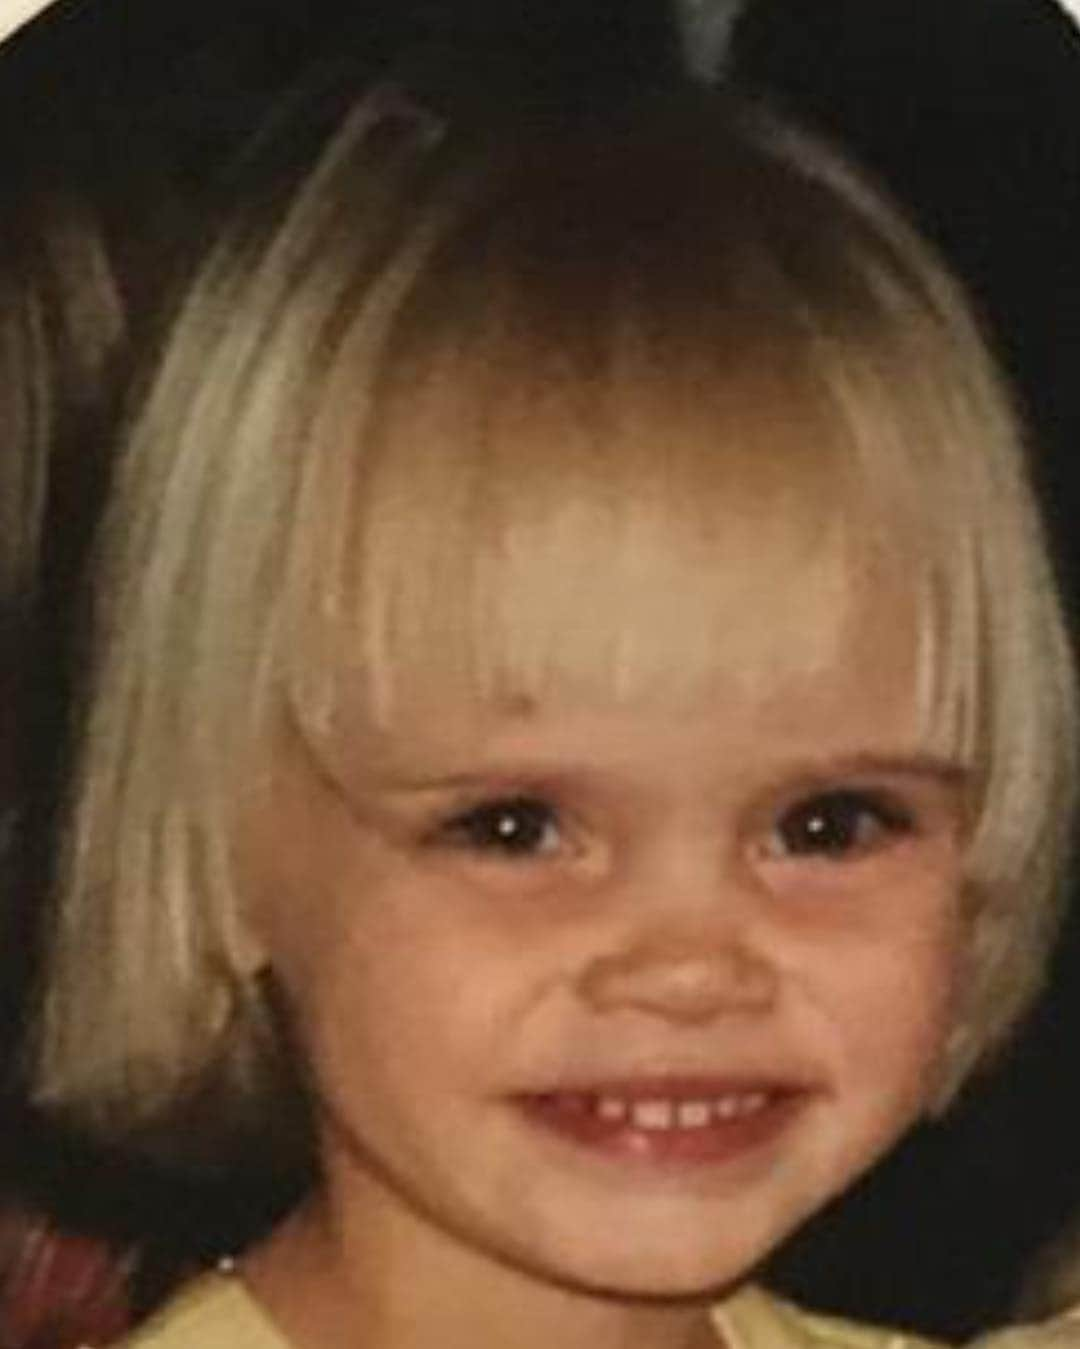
column 601, row 1002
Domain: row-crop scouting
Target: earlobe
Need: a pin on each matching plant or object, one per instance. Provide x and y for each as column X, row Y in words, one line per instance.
column 245, row 950
column 954, row 1063
column 249, row 957
column 241, row 970
column 247, row 906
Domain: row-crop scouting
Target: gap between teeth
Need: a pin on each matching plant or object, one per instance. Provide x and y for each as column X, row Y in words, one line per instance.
column 658, row 1115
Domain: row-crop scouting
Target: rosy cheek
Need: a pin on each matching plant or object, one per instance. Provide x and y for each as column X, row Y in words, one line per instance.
column 879, row 988
column 909, row 1022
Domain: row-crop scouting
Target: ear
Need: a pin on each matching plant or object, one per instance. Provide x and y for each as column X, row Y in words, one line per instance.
column 245, row 922
column 234, row 975
column 955, row 1062
column 245, row 949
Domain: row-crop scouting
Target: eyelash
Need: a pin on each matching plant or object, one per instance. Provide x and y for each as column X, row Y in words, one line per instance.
column 833, row 825
column 516, row 828
column 837, row 825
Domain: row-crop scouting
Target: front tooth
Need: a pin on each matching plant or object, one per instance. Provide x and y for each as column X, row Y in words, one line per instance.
column 694, row 1114
column 726, row 1107
column 610, row 1108
column 652, row 1114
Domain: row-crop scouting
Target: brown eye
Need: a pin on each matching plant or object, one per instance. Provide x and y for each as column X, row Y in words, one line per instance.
column 838, row 824
column 515, row 827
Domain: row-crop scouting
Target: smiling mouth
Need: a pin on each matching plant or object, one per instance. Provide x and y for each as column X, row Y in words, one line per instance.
column 664, row 1121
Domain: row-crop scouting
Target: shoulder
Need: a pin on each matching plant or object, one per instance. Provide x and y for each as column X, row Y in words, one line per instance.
column 213, row 1312
column 755, row 1319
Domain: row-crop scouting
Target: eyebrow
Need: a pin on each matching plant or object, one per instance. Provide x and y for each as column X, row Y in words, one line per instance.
column 951, row 772
column 948, row 772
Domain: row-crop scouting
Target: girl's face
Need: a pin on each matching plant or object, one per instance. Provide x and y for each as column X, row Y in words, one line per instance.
column 618, row 995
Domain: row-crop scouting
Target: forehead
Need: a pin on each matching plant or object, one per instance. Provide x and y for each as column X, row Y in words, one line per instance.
column 806, row 650
column 549, row 536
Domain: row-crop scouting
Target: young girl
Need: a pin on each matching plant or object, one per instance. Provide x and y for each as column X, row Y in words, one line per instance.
column 583, row 737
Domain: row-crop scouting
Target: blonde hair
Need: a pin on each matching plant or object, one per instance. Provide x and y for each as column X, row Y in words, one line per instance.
column 61, row 321
column 501, row 414
column 63, row 330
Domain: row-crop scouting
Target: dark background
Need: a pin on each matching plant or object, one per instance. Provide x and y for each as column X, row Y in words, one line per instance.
column 970, row 111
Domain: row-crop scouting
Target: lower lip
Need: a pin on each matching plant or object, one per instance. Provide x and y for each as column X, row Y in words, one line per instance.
column 572, row 1117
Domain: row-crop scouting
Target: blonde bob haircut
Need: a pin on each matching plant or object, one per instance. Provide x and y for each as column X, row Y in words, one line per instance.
column 460, row 414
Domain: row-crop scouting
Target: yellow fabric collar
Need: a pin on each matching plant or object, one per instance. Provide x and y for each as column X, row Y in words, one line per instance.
column 217, row 1312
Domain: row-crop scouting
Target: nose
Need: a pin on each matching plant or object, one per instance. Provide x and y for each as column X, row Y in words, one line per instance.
column 682, row 977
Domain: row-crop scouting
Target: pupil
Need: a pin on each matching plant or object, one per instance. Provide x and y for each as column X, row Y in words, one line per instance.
column 519, row 826
column 827, row 827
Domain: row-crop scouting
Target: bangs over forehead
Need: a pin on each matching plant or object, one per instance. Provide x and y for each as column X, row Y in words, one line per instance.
column 614, row 437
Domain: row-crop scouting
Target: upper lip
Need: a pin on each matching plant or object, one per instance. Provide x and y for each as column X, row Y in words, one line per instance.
column 679, row 1086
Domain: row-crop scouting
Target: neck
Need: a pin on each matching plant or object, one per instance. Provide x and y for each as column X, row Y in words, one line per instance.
column 332, row 1283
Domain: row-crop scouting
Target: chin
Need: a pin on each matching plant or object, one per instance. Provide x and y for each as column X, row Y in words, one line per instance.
column 677, row 1269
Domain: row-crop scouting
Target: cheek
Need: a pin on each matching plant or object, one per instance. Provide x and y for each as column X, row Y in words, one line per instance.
column 392, row 976
column 892, row 1003
column 379, row 963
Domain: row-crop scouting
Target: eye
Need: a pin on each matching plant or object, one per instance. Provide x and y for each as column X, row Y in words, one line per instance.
column 839, row 824
column 514, row 827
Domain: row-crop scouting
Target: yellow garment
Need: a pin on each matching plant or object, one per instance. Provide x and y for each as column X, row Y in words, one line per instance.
column 217, row 1312
column 214, row 1312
